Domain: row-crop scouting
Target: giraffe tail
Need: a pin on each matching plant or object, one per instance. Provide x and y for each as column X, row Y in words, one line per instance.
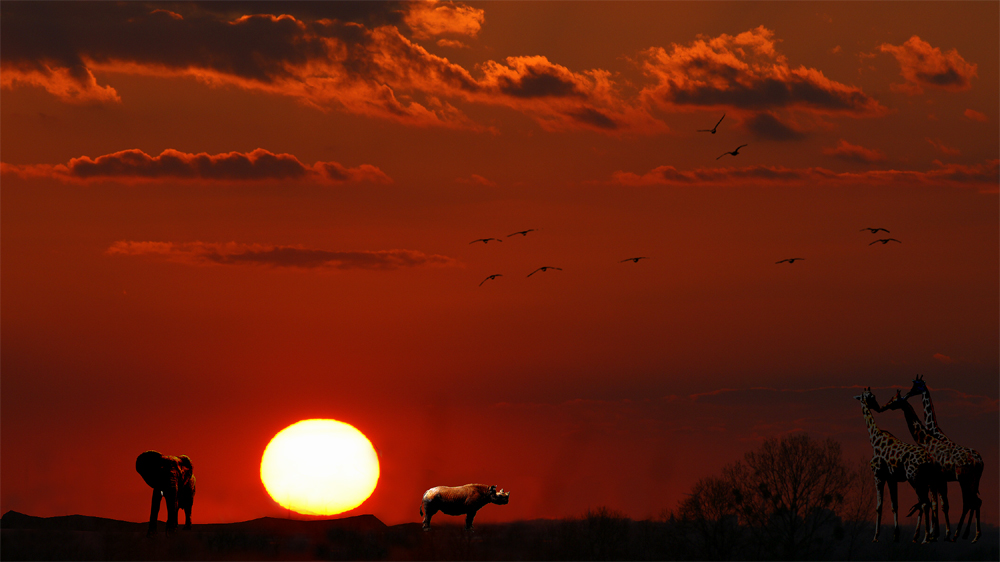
column 916, row 507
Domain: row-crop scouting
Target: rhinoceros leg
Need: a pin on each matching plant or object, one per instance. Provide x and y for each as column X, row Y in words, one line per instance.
column 472, row 515
column 428, row 512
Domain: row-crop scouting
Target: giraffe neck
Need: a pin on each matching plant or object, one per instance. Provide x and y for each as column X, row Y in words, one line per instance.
column 930, row 418
column 874, row 433
column 917, row 429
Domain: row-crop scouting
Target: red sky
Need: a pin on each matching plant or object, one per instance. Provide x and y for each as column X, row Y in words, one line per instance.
column 219, row 219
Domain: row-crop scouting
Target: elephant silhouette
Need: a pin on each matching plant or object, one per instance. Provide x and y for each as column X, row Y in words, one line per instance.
column 171, row 478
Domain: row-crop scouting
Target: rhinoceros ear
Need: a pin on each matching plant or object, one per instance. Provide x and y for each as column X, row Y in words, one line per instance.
column 493, row 489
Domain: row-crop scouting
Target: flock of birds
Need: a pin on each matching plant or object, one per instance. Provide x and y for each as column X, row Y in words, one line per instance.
column 523, row 233
column 544, row 268
column 735, row 152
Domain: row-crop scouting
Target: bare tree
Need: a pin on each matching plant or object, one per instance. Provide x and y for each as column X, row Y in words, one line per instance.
column 607, row 530
column 792, row 491
column 709, row 519
column 792, row 498
column 859, row 505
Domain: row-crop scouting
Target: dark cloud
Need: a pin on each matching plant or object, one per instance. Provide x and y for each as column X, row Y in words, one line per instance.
column 351, row 57
column 745, row 71
column 369, row 14
column 924, row 66
column 855, row 153
column 260, row 164
column 561, row 99
column 537, row 82
column 235, row 254
column 325, row 62
column 766, row 126
column 593, row 117
column 983, row 177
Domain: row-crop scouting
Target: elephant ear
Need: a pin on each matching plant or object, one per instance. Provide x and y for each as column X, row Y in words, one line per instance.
column 148, row 465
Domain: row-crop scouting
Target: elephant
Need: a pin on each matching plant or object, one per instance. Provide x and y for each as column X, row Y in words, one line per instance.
column 171, row 478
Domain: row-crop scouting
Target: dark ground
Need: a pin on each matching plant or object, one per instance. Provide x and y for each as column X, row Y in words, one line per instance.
column 79, row 537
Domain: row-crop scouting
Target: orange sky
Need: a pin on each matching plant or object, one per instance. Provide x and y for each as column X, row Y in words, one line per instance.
column 219, row 219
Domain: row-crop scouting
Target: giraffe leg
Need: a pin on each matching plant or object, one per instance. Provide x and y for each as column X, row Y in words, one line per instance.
column 958, row 526
column 971, row 504
column 974, row 492
column 923, row 515
column 894, row 505
column 944, row 510
column 879, row 488
column 968, row 507
column 979, row 530
column 933, row 525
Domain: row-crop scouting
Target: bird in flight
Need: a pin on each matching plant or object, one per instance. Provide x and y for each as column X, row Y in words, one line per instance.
column 522, row 232
column 547, row 267
column 790, row 260
column 485, row 240
column 734, row 153
column 494, row 276
column 712, row 130
column 634, row 260
column 874, row 230
column 885, row 241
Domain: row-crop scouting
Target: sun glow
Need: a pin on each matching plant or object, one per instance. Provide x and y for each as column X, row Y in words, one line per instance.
column 319, row 467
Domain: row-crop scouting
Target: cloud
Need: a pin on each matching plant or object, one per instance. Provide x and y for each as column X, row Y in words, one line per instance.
column 451, row 44
column 561, row 99
column 365, row 67
column 924, row 66
column 936, row 143
column 430, row 19
column 984, row 177
column 976, row 116
column 326, row 63
column 233, row 253
column 943, row 358
column 847, row 151
column 136, row 165
column 75, row 85
column 476, row 179
column 745, row 71
column 766, row 126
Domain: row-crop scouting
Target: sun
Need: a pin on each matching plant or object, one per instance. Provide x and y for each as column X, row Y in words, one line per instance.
column 319, row 467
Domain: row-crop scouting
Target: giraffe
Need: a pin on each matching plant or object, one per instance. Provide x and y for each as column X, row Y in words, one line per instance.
column 968, row 467
column 945, row 454
column 894, row 461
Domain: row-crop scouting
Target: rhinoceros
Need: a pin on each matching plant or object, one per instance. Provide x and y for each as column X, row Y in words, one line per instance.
column 460, row 500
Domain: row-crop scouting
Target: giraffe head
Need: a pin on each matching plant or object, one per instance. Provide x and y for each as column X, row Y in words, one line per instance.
column 868, row 399
column 894, row 403
column 919, row 387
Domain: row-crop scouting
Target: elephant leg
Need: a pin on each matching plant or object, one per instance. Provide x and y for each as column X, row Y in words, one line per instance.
column 154, row 512
column 879, row 489
column 894, row 505
column 170, row 494
column 185, row 501
column 468, row 520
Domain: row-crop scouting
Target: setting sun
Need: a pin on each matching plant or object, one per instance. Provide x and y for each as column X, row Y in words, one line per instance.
column 319, row 467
